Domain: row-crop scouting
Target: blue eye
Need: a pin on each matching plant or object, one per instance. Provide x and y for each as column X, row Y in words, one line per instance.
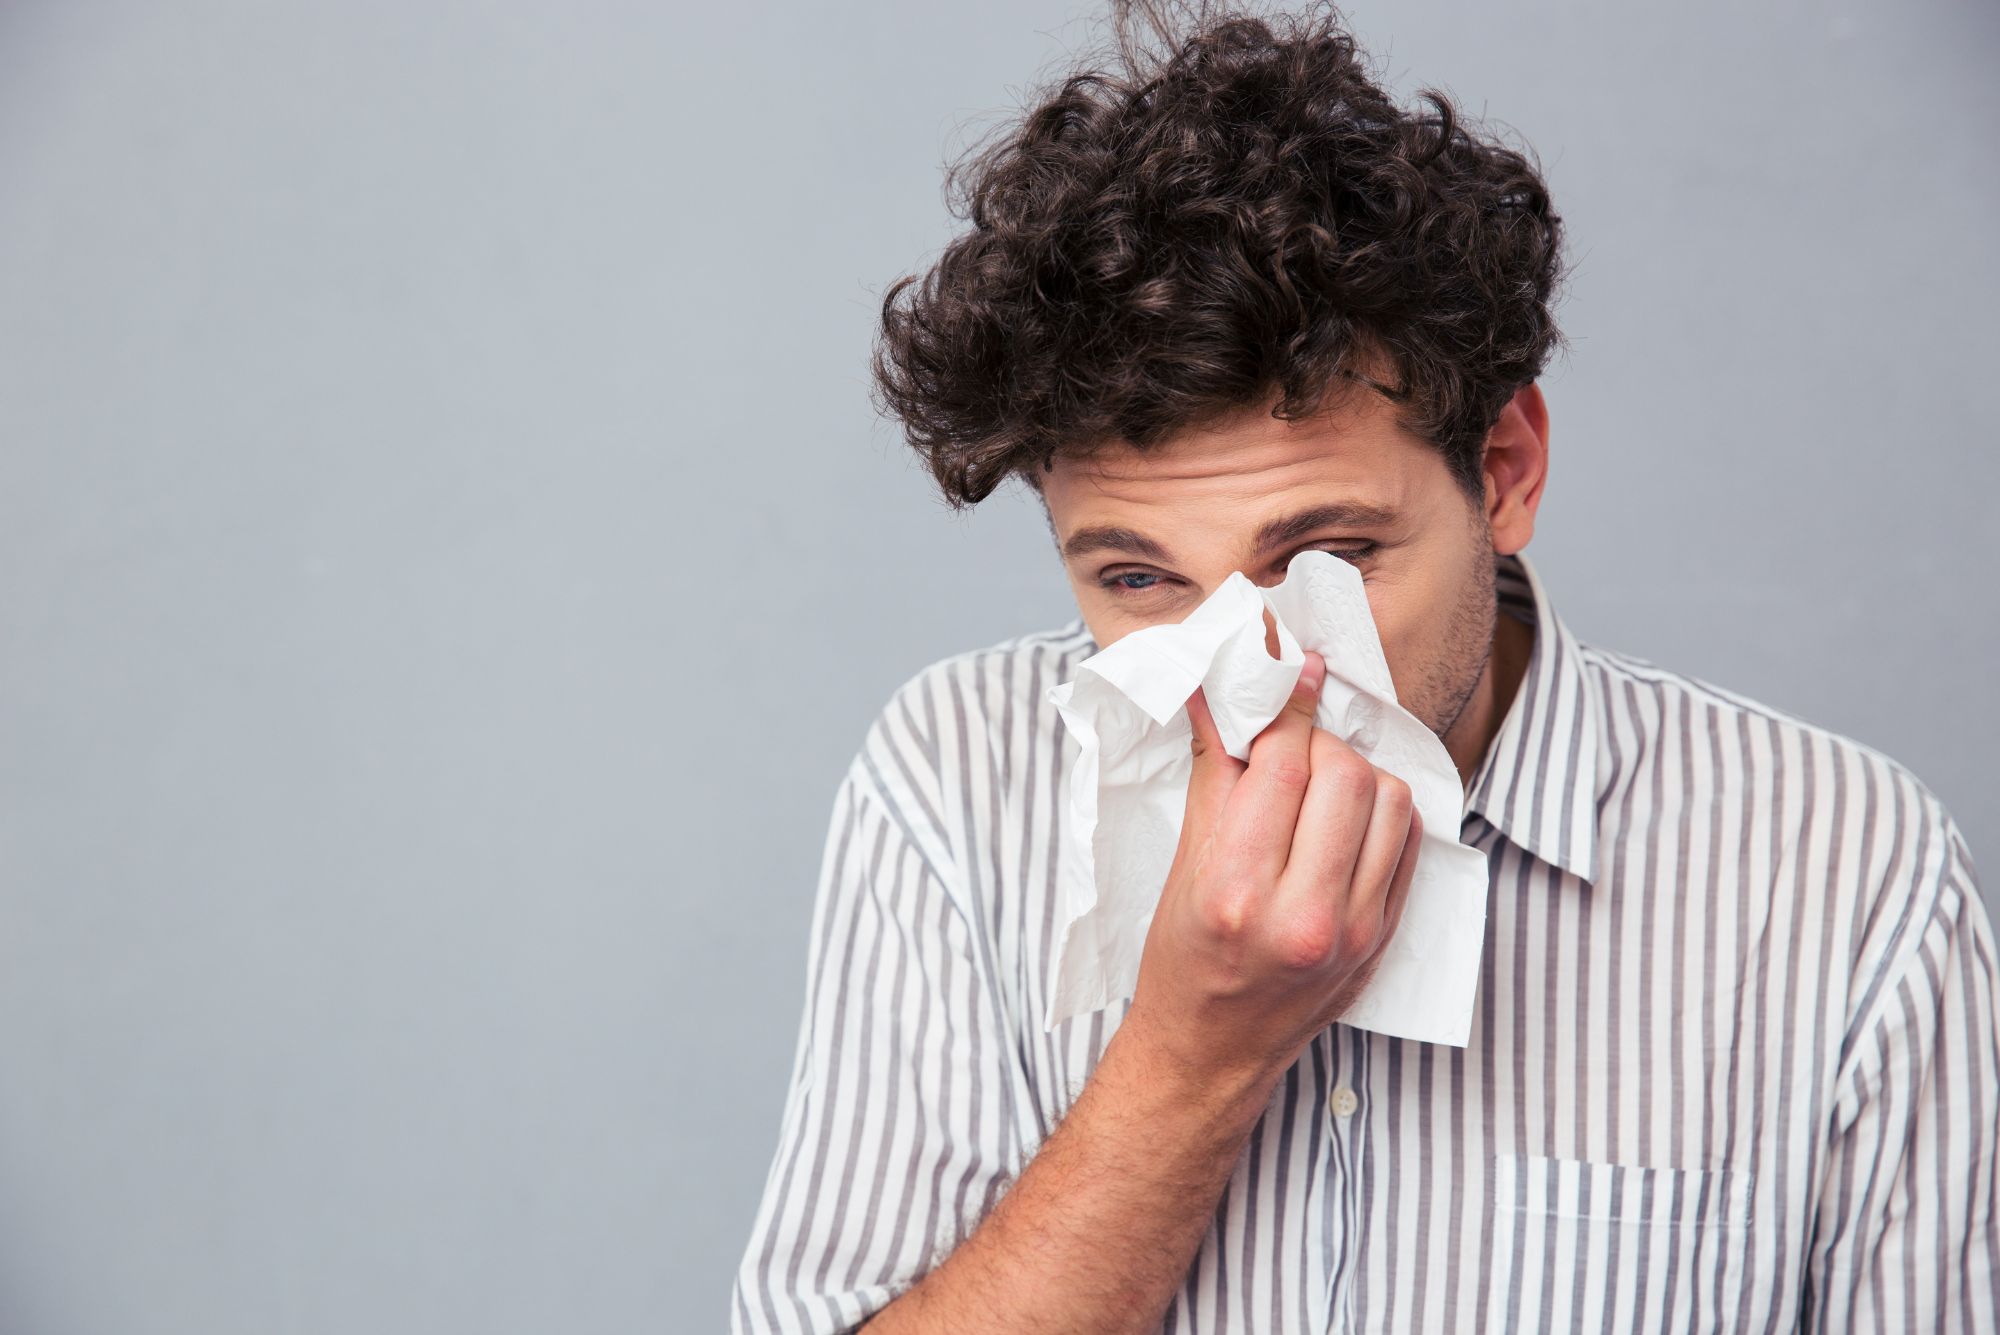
column 1128, row 582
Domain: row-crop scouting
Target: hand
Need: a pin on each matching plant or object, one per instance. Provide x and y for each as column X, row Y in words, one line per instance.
column 1288, row 883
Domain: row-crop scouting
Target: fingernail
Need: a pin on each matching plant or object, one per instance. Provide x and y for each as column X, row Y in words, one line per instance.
column 1313, row 673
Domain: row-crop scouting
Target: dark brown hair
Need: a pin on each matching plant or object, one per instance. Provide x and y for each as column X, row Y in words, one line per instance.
column 1246, row 215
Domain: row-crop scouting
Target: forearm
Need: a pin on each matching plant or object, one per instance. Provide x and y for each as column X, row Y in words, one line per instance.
column 1098, row 1231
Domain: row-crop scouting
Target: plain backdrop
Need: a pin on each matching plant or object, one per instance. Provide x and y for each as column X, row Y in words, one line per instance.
column 448, row 556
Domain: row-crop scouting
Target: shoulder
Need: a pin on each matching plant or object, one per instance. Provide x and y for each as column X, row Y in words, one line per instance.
column 961, row 726
column 1747, row 740
column 1820, row 812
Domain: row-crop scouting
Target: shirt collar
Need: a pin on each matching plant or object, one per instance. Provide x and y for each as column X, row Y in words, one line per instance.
column 1537, row 782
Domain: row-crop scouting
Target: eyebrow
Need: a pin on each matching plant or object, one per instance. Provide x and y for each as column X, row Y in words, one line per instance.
column 1341, row 514
column 1275, row 534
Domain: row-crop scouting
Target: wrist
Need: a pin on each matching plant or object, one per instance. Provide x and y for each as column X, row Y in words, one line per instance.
column 1216, row 1099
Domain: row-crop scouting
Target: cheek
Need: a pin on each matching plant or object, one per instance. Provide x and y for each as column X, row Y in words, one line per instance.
column 1105, row 627
column 1392, row 622
column 1395, row 637
column 1407, row 660
column 1110, row 614
column 1410, row 644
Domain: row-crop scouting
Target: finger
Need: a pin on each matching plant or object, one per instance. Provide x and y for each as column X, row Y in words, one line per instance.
column 1381, row 851
column 1264, row 807
column 1399, row 888
column 1406, row 874
column 1215, row 771
column 1333, row 821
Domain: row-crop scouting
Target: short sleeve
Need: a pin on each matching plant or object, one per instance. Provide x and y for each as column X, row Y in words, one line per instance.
column 894, row 1140
column 1904, row 1237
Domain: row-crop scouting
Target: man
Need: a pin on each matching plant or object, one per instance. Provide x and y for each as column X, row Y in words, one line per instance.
column 1735, row 1060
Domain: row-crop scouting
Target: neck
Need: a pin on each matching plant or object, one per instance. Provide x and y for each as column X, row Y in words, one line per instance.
column 1472, row 733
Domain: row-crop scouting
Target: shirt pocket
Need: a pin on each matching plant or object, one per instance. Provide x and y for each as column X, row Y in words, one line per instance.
column 1586, row 1245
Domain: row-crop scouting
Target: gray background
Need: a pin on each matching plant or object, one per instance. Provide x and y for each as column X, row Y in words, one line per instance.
column 447, row 557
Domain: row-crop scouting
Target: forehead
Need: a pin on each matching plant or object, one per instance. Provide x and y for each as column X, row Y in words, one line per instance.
column 1249, row 464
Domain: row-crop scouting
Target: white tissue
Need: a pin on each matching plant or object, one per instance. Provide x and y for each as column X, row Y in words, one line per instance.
column 1126, row 707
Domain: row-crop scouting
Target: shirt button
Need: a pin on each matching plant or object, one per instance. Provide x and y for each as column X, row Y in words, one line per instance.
column 1344, row 1102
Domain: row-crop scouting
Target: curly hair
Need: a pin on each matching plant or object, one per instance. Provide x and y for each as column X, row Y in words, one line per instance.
column 1245, row 216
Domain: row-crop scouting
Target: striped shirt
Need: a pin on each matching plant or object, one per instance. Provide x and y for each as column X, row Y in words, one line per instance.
column 1735, row 1061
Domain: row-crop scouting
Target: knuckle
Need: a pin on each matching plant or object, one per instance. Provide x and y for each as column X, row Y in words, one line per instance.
column 1359, row 938
column 1305, row 945
column 1351, row 777
column 1210, row 754
column 1225, row 912
column 1394, row 795
column 1290, row 772
column 1332, row 742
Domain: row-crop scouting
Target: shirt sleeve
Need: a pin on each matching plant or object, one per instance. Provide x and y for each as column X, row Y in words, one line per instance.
column 894, row 1140
column 1905, row 1234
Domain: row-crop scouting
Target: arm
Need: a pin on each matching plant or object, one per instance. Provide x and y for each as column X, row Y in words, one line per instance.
column 1905, row 1235
column 1098, row 1232
column 1288, row 883
column 893, row 1136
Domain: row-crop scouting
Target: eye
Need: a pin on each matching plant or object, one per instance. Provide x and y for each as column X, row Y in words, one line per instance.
column 1357, row 553
column 1122, row 581
column 1129, row 583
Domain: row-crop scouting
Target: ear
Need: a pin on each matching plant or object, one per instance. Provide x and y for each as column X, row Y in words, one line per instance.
column 1516, row 464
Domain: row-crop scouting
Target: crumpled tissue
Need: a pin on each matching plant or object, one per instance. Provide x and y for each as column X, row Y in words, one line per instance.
column 1126, row 708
